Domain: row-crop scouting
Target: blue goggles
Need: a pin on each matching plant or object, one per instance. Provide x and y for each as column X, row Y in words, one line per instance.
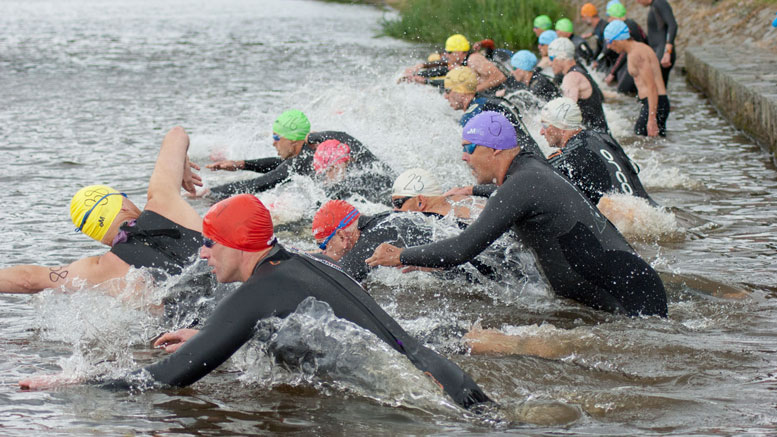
column 86, row 216
column 343, row 223
column 276, row 137
column 469, row 148
column 551, row 58
column 207, row 242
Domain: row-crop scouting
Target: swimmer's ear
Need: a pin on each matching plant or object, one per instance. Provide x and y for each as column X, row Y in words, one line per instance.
column 422, row 202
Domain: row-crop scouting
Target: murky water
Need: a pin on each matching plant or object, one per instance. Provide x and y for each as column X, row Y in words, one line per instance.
column 88, row 91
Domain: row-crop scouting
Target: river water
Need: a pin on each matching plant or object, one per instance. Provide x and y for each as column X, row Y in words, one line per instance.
column 89, row 89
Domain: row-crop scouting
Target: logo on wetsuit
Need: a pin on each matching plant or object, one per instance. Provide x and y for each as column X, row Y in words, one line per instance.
column 625, row 187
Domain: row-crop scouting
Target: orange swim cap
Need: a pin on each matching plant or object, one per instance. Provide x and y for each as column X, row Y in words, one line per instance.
column 333, row 215
column 241, row 222
column 588, row 10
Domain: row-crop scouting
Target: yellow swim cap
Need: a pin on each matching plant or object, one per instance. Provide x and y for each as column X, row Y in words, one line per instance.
column 462, row 80
column 434, row 57
column 457, row 43
column 93, row 209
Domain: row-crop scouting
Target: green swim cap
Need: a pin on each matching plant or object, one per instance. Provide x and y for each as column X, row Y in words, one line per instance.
column 616, row 10
column 292, row 125
column 543, row 22
column 565, row 25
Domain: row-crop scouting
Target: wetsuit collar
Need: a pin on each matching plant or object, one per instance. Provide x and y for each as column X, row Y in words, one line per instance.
column 271, row 254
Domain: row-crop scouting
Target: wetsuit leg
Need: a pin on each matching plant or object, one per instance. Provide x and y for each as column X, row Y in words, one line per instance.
column 626, row 82
column 665, row 70
column 662, row 114
column 640, row 127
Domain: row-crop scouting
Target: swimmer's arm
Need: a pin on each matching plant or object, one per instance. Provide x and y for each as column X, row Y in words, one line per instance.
column 33, row 279
column 484, row 190
column 319, row 137
column 570, row 86
column 262, row 165
column 256, row 185
column 171, row 172
column 489, row 75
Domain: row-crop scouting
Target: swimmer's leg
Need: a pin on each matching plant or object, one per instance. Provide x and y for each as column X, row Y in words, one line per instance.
column 493, row 342
column 640, row 127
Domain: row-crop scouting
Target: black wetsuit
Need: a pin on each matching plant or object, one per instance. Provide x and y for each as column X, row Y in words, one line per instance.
column 662, row 114
column 158, row 243
column 583, row 51
column 598, row 32
column 596, row 166
column 279, row 283
column 278, row 171
column 581, row 253
column 591, row 108
column 662, row 29
column 509, row 110
column 539, row 85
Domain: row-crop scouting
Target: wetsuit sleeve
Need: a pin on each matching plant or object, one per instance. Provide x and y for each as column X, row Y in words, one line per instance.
column 484, row 190
column 503, row 209
column 665, row 11
column 262, row 183
column 262, row 165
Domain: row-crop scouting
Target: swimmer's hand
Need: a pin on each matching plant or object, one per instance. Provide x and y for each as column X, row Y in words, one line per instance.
column 500, row 93
column 609, row 79
column 459, row 191
column 666, row 60
column 385, row 255
column 191, row 180
column 652, row 127
column 227, row 165
column 409, row 269
column 43, row 382
column 197, row 195
column 171, row 341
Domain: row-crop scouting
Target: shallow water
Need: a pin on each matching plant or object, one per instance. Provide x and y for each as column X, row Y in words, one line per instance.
column 89, row 90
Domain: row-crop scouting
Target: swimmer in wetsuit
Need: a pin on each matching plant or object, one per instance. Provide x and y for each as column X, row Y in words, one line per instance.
column 296, row 146
column 578, row 85
column 592, row 164
column 163, row 236
column 644, row 68
column 240, row 247
column 526, row 77
column 566, row 29
column 332, row 163
column 461, row 94
column 662, row 30
column 580, row 252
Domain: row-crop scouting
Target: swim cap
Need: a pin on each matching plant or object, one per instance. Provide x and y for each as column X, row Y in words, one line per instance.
column 565, row 25
column 524, row 60
column 329, row 153
column 488, row 43
column 241, row 222
column 588, row 10
column 333, row 215
column 616, row 10
column 610, row 3
column 547, row 37
column 562, row 48
column 543, row 22
column 457, row 43
column 93, row 209
column 562, row 113
column 616, row 31
column 462, row 80
column 292, row 125
column 490, row 129
column 416, row 181
column 434, row 57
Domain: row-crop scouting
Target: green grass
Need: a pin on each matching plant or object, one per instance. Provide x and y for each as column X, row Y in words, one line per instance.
column 507, row 22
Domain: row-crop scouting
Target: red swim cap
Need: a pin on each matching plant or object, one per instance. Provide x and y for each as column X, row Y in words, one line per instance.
column 333, row 215
column 241, row 222
column 329, row 153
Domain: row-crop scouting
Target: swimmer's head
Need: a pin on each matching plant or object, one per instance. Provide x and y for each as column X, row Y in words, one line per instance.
column 616, row 10
column 330, row 159
column 541, row 24
column 412, row 183
column 588, row 10
column 524, row 60
column 561, row 119
column 547, row 37
column 488, row 142
column 461, row 80
column 561, row 53
column 456, row 43
column 614, row 32
column 565, row 28
column 241, row 222
column 93, row 209
column 289, row 132
column 335, row 228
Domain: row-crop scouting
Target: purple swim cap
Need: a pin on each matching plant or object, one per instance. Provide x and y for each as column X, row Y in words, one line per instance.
column 490, row 129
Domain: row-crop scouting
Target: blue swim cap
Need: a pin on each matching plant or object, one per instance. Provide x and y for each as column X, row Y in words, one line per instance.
column 547, row 37
column 524, row 60
column 616, row 31
column 774, row 23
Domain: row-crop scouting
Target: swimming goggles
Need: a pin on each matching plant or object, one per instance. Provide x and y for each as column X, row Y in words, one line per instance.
column 207, row 242
column 398, row 203
column 276, row 137
column 551, row 58
column 469, row 148
column 343, row 223
column 86, row 216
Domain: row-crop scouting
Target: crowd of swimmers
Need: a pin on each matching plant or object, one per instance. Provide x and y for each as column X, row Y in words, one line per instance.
column 557, row 205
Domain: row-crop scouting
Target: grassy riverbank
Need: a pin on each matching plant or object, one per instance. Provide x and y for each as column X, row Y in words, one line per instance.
column 507, row 22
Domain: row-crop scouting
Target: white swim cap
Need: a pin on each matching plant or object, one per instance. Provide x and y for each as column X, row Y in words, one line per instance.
column 416, row 181
column 562, row 113
column 562, row 48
